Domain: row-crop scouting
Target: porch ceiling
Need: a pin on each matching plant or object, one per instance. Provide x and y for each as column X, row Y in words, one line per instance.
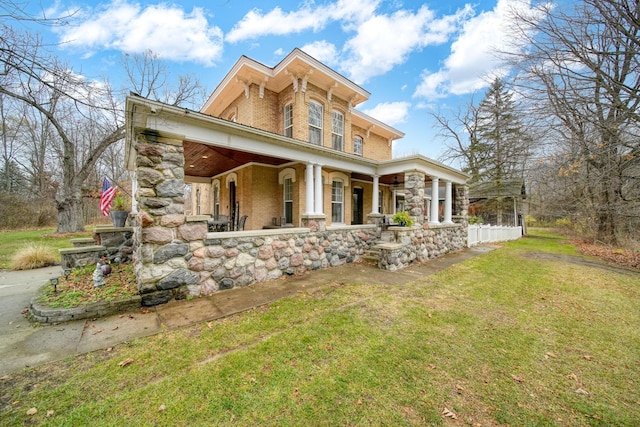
column 206, row 160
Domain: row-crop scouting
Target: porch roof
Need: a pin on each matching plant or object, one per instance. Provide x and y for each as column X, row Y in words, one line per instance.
column 213, row 145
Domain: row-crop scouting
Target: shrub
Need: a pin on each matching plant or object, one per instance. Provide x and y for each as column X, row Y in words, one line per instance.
column 403, row 219
column 34, row 255
column 473, row 219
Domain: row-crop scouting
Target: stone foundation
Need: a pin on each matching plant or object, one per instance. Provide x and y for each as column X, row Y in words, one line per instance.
column 420, row 244
column 182, row 268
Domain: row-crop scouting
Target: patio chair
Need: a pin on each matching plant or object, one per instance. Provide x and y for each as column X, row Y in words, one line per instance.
column 241, row 222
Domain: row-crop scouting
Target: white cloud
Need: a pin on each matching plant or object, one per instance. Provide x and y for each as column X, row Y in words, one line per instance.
column 390, row 113
column 168, row 31
column 256, row 24
column 472, row 63
column 323, row 51
column 373, row 51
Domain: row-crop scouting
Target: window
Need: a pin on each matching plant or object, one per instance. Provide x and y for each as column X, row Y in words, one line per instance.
column 288, row 201
column 315, row 123
column 337, row 201
column 357, row 145
column 337, row 130
column 216, row 200
column 288, row 120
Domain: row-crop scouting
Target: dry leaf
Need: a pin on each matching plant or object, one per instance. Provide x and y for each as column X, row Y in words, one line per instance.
column 359, row 402
column 109, row 349
column 32, row 411
column 552, row 355
column 459, row 388
column 447, row 413
column 97, row 332
column 161, row 408
column 5, row 378
column 125, row 362
column 582, row 391
column 113, row 329
column 431, row 366
column 210, row 325
column 50, row 413
column 517, row 378
column 588, row 357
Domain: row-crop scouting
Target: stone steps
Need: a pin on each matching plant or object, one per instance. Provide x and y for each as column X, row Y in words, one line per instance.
column 371, row 256
column 83, row 242
column 81, row 256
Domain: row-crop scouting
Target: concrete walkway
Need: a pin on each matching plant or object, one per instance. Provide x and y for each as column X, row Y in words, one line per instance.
column 23, row 344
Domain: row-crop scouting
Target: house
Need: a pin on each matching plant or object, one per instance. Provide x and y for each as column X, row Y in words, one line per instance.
column 298, row 178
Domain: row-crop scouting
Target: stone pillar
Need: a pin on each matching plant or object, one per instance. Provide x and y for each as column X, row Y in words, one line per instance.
column 318, row 205
column 414, row 195
column 447, row 203
column 374, row 197
column 435, row 201
column 162, row 235
column 309, row 200
column 462, row 202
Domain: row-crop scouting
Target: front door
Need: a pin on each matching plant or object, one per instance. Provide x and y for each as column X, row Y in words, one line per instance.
column 358, row 195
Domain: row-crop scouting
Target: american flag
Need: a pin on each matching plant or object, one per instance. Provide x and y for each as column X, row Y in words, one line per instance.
column 108, row 193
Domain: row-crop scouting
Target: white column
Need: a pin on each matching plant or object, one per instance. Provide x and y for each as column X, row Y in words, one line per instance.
column 447, row 203
column 308, row 177
column 434, row 201
column 374, row 197
column 318, row 205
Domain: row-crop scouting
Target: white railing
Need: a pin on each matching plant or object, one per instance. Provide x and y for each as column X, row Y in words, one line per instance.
column 491, row 233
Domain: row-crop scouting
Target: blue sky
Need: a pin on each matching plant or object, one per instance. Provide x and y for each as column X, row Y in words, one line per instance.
column 412, row 56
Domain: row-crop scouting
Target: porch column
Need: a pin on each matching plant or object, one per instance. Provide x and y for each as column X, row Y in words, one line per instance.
column 447, row 203
column 309, row 208
column 374, row 197
column 318, row 205
column 434, row 201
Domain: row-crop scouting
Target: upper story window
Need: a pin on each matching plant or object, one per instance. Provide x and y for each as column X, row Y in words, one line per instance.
column 357, row 145
column 288, row 120
column 337, row 130
column 315, row 123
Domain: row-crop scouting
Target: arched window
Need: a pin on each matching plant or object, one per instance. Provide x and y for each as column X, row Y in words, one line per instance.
column 357, row 145
column 315, row 123
column 288, row 120
column 337, row 130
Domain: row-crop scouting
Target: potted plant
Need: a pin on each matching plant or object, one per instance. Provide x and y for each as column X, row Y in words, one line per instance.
column 119, row 212
column 403, row 219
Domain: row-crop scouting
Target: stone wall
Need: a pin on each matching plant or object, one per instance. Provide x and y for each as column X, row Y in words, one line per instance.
column 181, row 268
column 420, row 244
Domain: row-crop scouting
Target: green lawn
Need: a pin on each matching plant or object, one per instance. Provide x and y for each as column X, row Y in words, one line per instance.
column 528, row 334
column 12, row 241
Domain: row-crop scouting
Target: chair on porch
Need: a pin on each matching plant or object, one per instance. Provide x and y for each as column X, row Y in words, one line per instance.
column 218, row 223
column 241, row 222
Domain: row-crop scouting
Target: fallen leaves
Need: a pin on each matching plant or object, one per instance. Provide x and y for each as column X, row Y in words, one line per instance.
column 517, row 378
column 32, row 412
column 449, row 414
column 126, row 362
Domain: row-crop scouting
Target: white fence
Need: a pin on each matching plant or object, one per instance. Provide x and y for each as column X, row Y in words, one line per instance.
column 492, row 233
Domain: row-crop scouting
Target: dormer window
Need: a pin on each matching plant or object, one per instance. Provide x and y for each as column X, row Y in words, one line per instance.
column 288, row 120
column 315, row 123
column 337, row 130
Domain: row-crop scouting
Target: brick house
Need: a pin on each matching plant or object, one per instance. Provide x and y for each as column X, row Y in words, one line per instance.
column 285, row 147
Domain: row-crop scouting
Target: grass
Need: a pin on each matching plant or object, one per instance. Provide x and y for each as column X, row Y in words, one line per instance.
column 13, row 241
column 510, row 337
column 77, row 289
column 34, row 255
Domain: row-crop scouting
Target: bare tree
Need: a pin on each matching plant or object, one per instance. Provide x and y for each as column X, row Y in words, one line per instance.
column 80, row 118
column 583, row 64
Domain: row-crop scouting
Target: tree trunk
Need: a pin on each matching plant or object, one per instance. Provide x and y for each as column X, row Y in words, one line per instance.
column 70, row 218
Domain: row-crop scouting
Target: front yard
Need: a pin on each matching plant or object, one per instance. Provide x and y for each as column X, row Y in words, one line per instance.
column 529, row 334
